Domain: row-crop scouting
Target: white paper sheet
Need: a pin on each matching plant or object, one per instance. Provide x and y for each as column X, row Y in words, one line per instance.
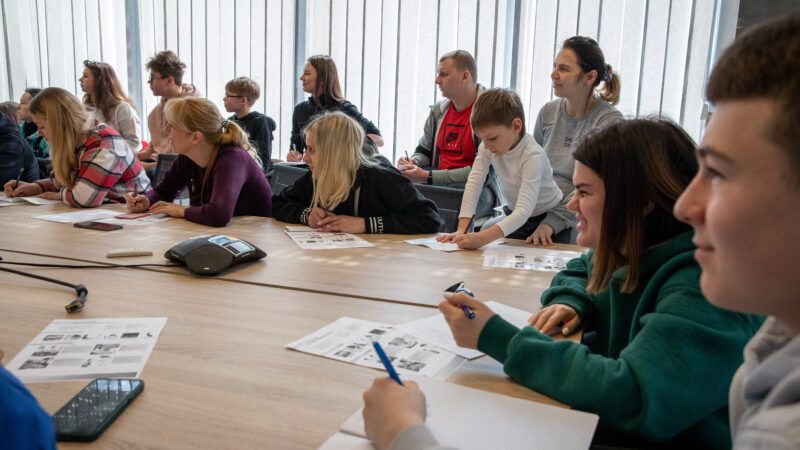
column 79, row 216
column 147, row 219
column 527, row 258
column 299, row 229
column 31, row 200
column 467, row 418
column 433, row 244
column 325, row 241
column 88, row 348
column 350, row 340
column 435, row 329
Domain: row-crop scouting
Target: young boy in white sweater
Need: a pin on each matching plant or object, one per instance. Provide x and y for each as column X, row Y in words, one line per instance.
column 522, row 169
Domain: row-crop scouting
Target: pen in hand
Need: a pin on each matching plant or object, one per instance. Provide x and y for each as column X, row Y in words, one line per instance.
column 387, row 363
column 19, row 175
column 459, row 287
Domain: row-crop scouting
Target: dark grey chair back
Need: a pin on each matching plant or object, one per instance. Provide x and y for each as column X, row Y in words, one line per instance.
column 448, row 202
column 284, row 175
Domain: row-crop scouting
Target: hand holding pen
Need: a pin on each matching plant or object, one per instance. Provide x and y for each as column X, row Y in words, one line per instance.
column 465, row 315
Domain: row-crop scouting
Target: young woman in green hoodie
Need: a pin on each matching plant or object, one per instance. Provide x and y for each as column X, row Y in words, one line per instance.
column 662, row 359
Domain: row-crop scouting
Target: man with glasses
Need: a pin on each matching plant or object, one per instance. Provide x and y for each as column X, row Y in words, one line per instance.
column 166, row 81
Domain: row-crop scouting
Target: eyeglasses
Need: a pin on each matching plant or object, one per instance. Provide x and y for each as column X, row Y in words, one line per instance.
column 233, row 96
column 90, row 63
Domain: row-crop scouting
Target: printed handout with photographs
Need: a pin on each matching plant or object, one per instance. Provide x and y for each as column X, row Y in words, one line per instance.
column 315, row 240
column 527, row 258
column 86, row 349
column 350, row 340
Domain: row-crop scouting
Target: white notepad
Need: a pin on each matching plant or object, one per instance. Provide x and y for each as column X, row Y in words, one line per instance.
column 468, row 418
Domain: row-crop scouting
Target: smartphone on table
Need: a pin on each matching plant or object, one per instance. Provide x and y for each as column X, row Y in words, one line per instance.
column 100, row 226
column 94, row 408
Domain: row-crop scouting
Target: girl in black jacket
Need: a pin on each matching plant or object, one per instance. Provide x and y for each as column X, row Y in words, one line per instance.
column 346, row 191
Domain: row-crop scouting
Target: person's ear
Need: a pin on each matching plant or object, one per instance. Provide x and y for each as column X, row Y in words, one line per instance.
column 590, row 77
column 516, row 125
column 197, row 137
column 649, row 208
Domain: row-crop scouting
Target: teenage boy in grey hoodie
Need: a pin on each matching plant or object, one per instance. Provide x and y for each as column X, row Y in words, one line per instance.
column 744, row 205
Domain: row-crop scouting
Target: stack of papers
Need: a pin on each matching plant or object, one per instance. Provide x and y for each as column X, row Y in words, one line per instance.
column 309, row 239
column 350, row 340
column 79, row 216
column 467, row 418
column 105, row 216
column 527, row 258
column 435, row 330
column 85, row 349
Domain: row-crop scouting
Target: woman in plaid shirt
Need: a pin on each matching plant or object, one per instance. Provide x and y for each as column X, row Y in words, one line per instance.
column 91, row 162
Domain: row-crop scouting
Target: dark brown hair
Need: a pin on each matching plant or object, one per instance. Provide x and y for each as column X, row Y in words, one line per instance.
column 645, row 165
column 108, row 92
column 590, row 57
column 327, row 78
column 497, row 106
column 764, row 63
column 463, row 60
column 167, row 64
column 9, row 109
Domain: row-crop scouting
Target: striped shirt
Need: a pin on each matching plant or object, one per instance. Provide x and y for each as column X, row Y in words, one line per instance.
column 107, row 169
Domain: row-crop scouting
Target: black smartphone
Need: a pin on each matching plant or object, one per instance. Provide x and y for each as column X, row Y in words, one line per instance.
column 100, row 226
column 91, row 411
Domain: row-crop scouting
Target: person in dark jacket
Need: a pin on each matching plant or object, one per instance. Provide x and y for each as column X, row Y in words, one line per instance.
column 346, row 191
column 16, row 158
column 240, row 95
column 23, row 422
column 321, row 79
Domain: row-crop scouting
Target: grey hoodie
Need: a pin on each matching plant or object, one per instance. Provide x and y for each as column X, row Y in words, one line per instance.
column 765, row 392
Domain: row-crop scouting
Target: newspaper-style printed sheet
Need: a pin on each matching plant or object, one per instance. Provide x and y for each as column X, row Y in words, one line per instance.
column 435, row 330
column 136, row 219
column 86, row 349
column 527, row 258
column 432, row 243
column 79, row 216
column 314, row 240
column 350, row 340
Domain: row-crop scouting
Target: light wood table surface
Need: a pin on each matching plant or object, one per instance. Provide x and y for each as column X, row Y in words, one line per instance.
column 220, row 375
column 391, row 271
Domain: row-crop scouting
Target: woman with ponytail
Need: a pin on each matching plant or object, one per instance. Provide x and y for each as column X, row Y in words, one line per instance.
column 91, row 162
column 215, row 162
column 587, row 88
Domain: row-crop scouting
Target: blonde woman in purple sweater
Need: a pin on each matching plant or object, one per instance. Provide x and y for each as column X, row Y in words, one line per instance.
column 215, row 162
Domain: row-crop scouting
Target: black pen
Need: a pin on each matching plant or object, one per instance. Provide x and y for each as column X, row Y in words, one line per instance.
column 19, row 175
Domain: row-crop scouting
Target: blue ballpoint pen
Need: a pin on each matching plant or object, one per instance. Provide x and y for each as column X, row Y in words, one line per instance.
column 387, row 363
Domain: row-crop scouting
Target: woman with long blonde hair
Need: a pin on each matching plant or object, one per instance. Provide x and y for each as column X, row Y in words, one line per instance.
column 215, row 162
column 105, row 98
column 91, row 163
column 346, row 191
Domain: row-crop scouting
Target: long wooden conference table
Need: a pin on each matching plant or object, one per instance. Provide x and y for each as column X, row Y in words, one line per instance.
column 220, row 375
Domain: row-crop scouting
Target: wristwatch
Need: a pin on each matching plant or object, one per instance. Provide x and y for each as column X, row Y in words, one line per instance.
column 429, row 180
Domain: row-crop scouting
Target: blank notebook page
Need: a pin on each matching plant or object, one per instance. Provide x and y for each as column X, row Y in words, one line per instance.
column 473, row 419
